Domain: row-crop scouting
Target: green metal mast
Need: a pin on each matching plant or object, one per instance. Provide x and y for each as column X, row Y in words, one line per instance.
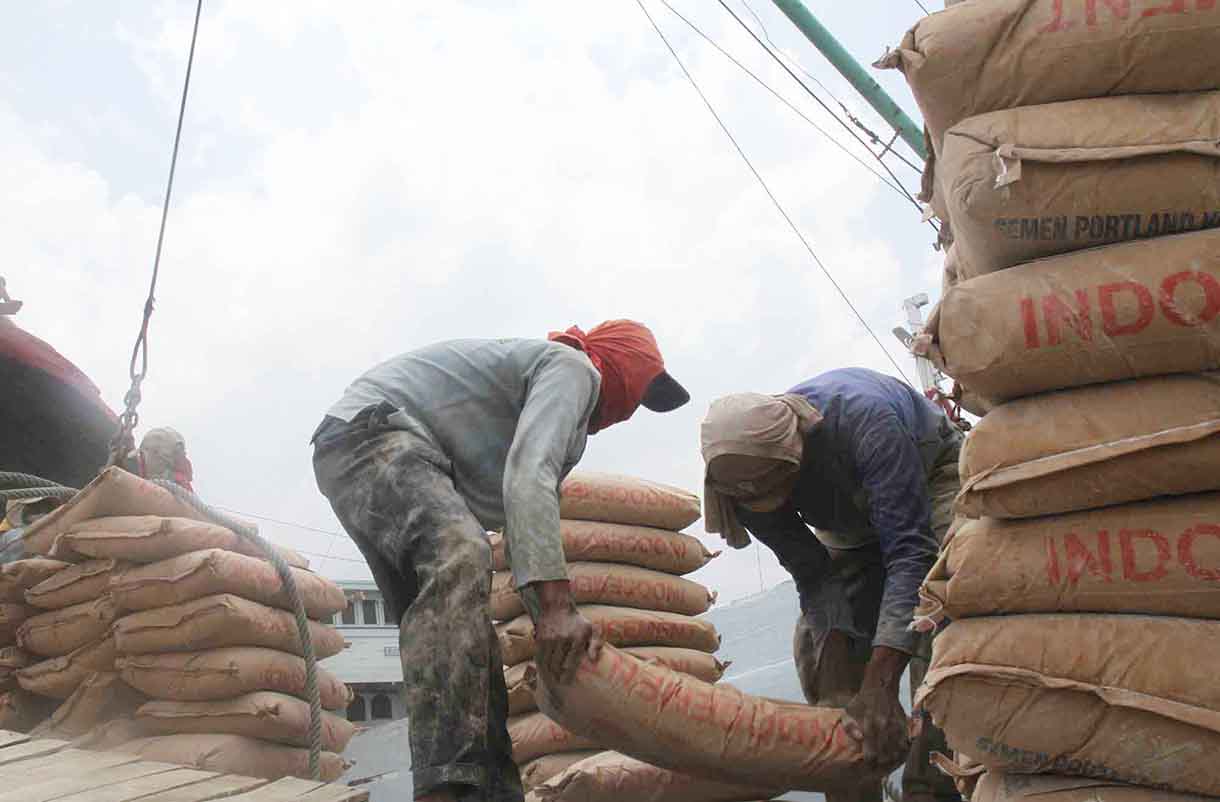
column 843, row 61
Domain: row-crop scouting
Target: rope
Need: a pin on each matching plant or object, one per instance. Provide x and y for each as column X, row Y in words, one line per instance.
column 298, row 609
column 15, row 486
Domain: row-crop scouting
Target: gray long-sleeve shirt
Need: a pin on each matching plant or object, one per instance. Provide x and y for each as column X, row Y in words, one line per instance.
column 508, row 420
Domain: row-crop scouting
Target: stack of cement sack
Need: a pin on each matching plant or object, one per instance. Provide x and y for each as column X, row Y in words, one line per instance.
column 625, row 558
column 165, row 636
column 1077, row 164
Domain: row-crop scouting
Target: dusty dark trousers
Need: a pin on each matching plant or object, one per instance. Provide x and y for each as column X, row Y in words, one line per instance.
column 432, row 562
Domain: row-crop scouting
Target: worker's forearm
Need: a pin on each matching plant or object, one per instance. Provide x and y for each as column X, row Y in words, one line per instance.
column 885, row 668
column 544, row 598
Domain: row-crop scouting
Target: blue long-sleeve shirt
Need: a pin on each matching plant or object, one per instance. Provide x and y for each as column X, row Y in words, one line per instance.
column 863, row 481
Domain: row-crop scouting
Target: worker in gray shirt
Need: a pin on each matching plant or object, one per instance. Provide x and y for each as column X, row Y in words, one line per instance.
column 426, row 452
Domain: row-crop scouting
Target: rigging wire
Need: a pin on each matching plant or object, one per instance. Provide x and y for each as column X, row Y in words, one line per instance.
column 767, row 189
column 819, row 100
column 139, row 353
column 872, row 135
column 923, row 8
column 902, row 192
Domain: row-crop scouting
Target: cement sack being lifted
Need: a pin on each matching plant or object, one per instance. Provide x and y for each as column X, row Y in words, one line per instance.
column 716, row 732
column 1120, row 697
column 266, row 715
column 614, row 777
column 999, row 787
column 521, row 678
column 117, row 493
column 234, row 754
column 1094, row 447
column 534, row 735
column 205, row 573
column 609, row 584
column 618, row 626
column 1001, row 54
column 1158, row 557
column 1025, row 183
column 1144, row 308
column 626, row 500
column 599, row 542
column 220, row 674
column 217, row 621
column 76, row 584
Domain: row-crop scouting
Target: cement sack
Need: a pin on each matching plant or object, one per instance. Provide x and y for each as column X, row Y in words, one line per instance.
column 614, row 777
column 12, row 616
column 226, row 673
column 1001, row 54
column 109, row 735
column 1037, row 181
column 73, row 585
column 102, row 696
column 1121, row 697
column 617, row 585
column 144, row 538
column 522, row 677
column 615, row 499
column 1144, row 308
column 59, row 632
column 534, row 735
column 59, row 677
column 999, row 787
column 115, row 492
column 618, row 626
column 205, row 573
column 235, row 754
column 645, row 546
column 1093, row 447
column 217, row 621
column 541, row 769
column 21, row 711
column 264, row 714
column 20, row 575
column 1157, row 557
column 717, row 732
column 11, row 660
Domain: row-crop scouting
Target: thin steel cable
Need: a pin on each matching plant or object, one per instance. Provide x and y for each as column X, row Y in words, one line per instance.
column 814, row 95
column 139, row 352
column 786, row 102
column 923, row 8
column 284, row 571
column 775, row 201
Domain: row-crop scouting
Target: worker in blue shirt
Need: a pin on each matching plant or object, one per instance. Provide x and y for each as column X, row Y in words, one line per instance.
column 870, row 465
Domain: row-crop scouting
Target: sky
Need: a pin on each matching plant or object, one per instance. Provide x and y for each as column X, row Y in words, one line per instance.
column 359, row 179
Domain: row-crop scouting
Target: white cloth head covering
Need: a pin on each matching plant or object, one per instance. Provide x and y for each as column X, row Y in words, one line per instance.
column 749, row 424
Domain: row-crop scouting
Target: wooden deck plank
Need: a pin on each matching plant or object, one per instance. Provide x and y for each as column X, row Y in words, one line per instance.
column 73, row 762
column 281, row 790
column 10, row 738
column 31, row 749
column 141, row 787
column 71, row 781
column 218, row 787
column 337, row 793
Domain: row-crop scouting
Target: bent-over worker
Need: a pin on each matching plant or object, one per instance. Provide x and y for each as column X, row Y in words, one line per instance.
column 426, row 452
column 871, row 466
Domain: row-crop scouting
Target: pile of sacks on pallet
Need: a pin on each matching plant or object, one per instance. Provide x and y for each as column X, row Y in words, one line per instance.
column 133, row 625
column 649, row 720
column 1077, row 166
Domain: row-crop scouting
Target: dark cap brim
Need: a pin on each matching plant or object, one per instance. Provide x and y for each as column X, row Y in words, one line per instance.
column 664, row 394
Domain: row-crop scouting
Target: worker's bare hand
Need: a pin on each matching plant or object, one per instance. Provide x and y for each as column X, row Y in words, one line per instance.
column 876, row 720
column 564, row 638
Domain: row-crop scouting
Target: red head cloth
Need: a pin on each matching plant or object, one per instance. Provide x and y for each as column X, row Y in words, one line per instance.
column 626, row 355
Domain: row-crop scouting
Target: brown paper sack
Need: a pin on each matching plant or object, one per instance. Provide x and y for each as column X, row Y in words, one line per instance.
column 264, row 714
column 1087, row 695
column 717, row 732
column 1144, row 308
column 998, row 787
column 598, row 542
column 614, row 777
column 1094, row 447
column 1001, row 54
column 74, row 585
column 619, row 626
column 534, row 735
column 626, row 500
column 1038, row 181
column 235, row 754
column 616, row 585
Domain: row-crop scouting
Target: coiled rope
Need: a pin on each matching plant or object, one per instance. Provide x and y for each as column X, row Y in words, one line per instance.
column 15, row 486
